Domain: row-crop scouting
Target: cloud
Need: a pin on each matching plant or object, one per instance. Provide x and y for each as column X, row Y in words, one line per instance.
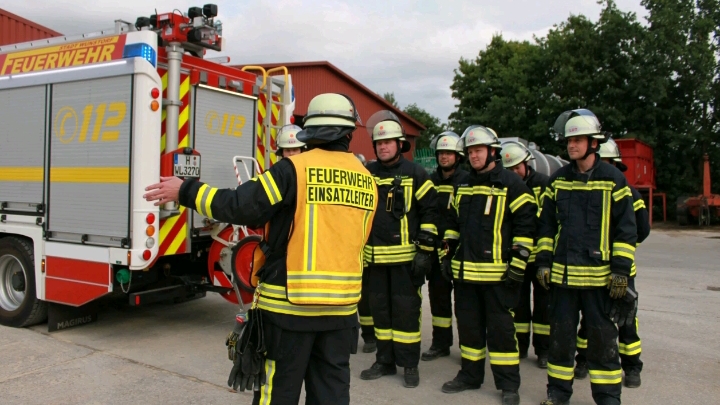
column 409, row 47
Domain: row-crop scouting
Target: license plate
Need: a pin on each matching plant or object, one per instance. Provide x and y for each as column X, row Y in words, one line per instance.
column 187, row 166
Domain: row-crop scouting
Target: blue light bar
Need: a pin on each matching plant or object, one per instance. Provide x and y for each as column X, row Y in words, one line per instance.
column 141, row 50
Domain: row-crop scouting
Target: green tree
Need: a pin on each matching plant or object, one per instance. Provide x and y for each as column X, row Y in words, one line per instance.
column 682, row 55
column 390, row 98
column 432, row 125
column 659, row 83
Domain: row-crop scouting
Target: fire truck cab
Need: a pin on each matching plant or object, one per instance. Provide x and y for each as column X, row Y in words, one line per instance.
column 87, row 123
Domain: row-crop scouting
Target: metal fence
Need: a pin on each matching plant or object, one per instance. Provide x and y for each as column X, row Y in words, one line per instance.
column 425, row 158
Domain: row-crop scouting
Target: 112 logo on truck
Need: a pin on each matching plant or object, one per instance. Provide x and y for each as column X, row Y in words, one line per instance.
column 66, row 125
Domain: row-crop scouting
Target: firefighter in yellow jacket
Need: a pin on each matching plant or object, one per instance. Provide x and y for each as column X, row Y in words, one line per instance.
column 310, row 284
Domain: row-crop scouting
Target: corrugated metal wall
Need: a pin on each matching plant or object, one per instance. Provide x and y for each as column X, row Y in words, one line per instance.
column 14, row 29
column 310, row 81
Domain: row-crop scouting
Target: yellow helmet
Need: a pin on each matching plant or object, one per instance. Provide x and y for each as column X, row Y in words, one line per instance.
column 513, row 153
column 331, row 110
column 610, row 150
column 287, row 138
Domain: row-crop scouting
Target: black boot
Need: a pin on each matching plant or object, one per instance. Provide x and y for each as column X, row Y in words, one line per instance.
column 632, row 379
column 510, row 397
column 553, row 401
column 456, row 385
column 581, row 371
column 378, row 370
column 434, row 353
column 370, row 346
column 412, row 377
column 523, row 354
column 542, row 360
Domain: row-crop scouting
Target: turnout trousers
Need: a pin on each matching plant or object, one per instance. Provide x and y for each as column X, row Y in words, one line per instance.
column 395, row 303
column 602, row 352
column 486, row 327
column 366, row 320
column 630, row 345
column 440, row 292
column 537, row 318
column 320, row 359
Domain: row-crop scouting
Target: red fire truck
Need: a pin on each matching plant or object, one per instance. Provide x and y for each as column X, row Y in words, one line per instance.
column 87, row 123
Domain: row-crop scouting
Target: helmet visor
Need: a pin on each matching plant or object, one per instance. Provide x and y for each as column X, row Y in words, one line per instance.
column 380, row 116
column 561, row 120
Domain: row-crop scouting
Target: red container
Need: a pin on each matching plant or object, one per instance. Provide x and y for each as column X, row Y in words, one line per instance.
column 638, row 156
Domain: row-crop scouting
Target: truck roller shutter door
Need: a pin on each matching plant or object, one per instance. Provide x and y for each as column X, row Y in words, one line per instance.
column 224, row 126
column 90, row 160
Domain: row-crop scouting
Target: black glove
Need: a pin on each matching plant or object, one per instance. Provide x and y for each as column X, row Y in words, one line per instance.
column 618, row 285
column 422, row 264
column 446, row 268
column 510, row 282
column 232, row 339
column 543, row 276
column 248, row 371
column 623, row 310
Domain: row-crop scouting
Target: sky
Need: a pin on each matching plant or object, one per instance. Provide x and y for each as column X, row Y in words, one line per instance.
column 408, row 47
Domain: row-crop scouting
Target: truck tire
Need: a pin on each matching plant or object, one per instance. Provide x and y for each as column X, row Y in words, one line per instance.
column 19, row 306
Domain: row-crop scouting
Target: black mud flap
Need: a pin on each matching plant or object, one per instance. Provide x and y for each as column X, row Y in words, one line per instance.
column 175, row 293
column 64, row 316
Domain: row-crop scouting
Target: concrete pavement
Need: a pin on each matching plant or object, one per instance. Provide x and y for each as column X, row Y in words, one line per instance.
column 176, row 354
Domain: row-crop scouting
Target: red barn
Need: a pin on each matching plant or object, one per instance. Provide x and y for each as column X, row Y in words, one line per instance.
column 15, row 29
column 313, row 78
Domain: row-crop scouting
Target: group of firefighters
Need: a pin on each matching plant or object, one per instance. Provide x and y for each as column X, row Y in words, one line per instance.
column 344, row 240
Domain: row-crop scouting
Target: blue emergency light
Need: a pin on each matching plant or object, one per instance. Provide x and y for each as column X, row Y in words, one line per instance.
column 141, row 50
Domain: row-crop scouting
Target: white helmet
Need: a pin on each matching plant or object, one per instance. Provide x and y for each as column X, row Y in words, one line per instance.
column 287, row 138
column 610, row 150
column 580, row 122
column 479, row 135
column 361, row 158
column 513, row 153
column 447, row 141
column 386, row 125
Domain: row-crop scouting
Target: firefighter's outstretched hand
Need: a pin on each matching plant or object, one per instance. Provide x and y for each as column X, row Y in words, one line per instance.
column 168, row 190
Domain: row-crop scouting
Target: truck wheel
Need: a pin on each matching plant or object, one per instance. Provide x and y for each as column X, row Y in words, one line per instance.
column 19, row 305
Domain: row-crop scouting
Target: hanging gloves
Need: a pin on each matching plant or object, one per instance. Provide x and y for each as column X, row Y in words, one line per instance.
column 248, row 371
column 234, row 336
column 624, row 310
